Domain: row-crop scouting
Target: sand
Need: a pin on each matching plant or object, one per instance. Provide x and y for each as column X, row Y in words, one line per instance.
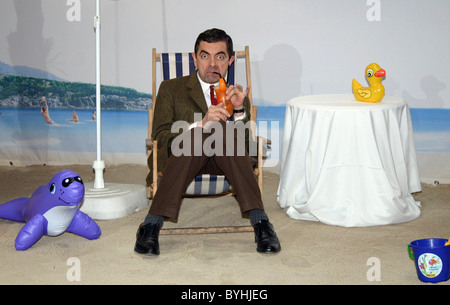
column 312, row 252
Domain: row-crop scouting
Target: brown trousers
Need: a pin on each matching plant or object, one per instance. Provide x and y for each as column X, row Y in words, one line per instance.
column 227, row 157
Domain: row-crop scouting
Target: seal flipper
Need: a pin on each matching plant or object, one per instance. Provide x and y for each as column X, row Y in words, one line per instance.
column 84, row 226
column 31, row 232
column 15, row 209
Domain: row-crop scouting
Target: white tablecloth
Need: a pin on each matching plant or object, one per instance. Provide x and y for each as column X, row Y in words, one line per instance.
column 348, row 163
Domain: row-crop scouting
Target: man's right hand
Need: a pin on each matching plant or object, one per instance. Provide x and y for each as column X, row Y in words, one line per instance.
column 215, row 113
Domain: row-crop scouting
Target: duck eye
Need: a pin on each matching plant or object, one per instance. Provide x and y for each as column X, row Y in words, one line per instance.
column 52, row 188
column 369, row 73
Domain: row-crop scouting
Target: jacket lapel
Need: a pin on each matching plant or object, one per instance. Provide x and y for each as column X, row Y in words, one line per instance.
column 196, row 93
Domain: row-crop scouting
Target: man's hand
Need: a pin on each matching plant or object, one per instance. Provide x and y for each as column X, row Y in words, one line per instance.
column 215, row 113
column 236, row 95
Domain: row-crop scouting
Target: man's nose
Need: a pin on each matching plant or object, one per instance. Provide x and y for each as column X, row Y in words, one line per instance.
column 212, row 62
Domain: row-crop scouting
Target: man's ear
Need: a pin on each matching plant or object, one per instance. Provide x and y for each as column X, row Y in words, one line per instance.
column 231, row 60
column 194, row 57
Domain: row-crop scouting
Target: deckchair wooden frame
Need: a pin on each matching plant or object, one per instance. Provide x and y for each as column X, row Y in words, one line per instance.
column 151, row 144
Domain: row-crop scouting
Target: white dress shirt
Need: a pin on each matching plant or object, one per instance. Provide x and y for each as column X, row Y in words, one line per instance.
column 206, row 92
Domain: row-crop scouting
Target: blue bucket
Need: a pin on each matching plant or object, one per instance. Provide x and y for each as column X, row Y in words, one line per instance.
column 432, row 259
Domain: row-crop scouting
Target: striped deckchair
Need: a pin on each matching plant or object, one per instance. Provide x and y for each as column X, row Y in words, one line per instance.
column 181, row 64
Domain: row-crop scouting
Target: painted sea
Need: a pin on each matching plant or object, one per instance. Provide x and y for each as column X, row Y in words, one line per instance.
column 26, row 138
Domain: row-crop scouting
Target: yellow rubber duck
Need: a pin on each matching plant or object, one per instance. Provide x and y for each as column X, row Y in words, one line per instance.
column 375, row 92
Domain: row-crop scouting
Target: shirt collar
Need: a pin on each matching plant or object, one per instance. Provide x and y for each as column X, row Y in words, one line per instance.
column 205, row 86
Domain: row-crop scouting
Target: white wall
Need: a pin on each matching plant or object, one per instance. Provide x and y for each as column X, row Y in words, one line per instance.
column 298, row 47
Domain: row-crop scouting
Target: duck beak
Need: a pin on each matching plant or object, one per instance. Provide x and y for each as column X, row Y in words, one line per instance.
column 380, row 73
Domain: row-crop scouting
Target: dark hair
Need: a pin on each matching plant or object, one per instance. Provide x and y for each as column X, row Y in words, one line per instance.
column 215, row 35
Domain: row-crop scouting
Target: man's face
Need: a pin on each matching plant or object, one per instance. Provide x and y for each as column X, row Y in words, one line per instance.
column 212, row 57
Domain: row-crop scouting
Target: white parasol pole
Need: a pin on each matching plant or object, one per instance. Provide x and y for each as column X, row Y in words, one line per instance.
column 98, row 165
column 112, row 200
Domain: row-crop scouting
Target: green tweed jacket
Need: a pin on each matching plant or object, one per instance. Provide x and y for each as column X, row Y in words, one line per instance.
column 179, row 99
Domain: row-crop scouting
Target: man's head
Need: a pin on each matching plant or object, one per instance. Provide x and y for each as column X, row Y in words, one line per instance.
column 213, row 52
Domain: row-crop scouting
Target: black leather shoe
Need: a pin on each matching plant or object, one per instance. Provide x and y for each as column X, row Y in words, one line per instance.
column 147, row 239
column 266, row 238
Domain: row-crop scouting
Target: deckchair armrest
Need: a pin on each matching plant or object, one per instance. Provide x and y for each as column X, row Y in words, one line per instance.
column 149, row 143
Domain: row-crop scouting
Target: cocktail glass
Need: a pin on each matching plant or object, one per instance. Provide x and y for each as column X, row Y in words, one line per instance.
column 221, row 97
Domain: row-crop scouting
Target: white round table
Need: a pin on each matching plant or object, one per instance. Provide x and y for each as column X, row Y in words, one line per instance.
column 348, row 163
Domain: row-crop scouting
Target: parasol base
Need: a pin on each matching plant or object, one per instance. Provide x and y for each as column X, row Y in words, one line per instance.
column 114, row 200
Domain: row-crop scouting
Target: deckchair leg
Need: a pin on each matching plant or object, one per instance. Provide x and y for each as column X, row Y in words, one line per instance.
column 206, row 230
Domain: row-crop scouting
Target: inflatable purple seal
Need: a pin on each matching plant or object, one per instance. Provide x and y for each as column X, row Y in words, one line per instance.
column 51, row 210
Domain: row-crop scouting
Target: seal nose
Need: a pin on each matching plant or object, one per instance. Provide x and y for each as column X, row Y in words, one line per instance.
column 73, row 194
column 79, row 193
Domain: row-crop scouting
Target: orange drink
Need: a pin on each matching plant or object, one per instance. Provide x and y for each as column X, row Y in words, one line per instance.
column 221, row 97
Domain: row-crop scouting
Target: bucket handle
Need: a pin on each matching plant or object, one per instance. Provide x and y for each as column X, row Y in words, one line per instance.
column 410, row 251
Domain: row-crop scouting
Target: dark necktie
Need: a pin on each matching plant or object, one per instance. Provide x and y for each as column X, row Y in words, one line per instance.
column 213, row 97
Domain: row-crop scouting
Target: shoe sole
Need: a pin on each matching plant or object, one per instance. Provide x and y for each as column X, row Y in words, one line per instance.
column 142, row 250
column 268, row 251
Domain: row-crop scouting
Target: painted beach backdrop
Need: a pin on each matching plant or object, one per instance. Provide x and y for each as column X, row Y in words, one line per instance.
column 297, row 48
column 26, row 138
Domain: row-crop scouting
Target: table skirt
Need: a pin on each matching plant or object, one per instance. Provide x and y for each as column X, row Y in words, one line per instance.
column 349, row 166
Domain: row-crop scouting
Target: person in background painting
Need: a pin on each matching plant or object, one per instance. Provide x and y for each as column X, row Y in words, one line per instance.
column 93, row 116
column 74, row 117
column 44, row 112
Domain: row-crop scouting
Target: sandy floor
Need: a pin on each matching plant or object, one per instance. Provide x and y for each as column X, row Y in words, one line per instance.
column 312, row 253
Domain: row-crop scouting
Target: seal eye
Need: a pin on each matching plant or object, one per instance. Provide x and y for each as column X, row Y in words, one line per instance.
column 66, row 182
column 52, row 188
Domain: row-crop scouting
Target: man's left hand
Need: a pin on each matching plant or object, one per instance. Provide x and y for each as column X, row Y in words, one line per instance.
column 236, row 95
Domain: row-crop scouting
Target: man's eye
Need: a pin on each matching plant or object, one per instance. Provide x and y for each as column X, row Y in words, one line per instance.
column 204, row 56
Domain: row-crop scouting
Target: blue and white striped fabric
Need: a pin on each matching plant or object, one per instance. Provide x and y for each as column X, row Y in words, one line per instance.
column 181, row 64
column 176, row 65
column 208, row 185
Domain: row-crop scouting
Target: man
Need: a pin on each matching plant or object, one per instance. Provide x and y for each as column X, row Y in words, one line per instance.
column 188, row 99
